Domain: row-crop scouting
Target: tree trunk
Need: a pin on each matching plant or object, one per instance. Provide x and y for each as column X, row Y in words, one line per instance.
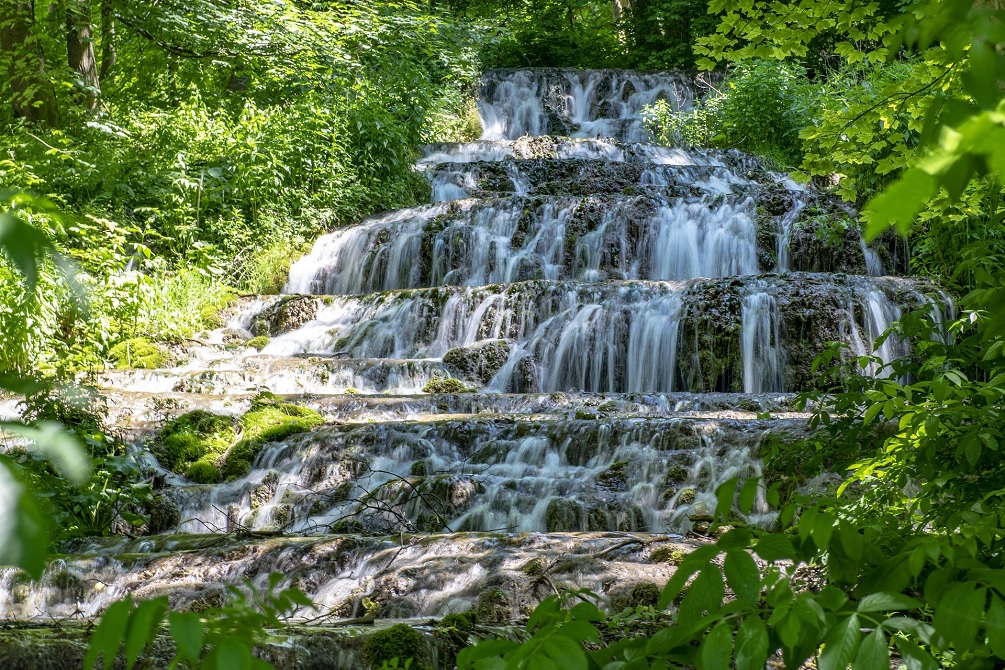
column 33, row 95
column 80, row 50
column 107, row 39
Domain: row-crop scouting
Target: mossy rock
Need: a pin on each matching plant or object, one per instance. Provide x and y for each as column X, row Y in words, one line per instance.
column 445, row 385
column 193, row 437
column 211, row 317
column 204, row 471
column 267, row 421
column 139, row 353
column 258, row 343
column 676, row 474
column 614, row 478
column 493, row 607
column 462, row 621
column 400, row 641
column 686, row 496
column 479, row 362
column 671, row 555
column 164, row 514
column 643, row 594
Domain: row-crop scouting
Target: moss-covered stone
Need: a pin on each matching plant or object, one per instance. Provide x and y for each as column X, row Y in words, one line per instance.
column 686, row 496
column 258, row 343
column 614, row 478
column 671, row 555
column 195, row 436
column 400, row 641
column 164, row 514
column 643, row 594
column 267, row 421
column 139, row 353
column 493, row 607
column 445, row 385
column 479, row 362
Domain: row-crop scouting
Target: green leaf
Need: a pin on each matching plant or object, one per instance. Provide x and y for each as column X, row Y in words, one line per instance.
column 775, row 547
column 23, row 245
column 995, row 624
column 143, row 628
column 187, row 631
column 841, row 644
column 885, row 602
column 716, row 648
column 233, row 654
column 958, row 614
column 751, row 644
column 109, row 634
column 873, row 653
column 899, row 203
column 724, row 495
column 565, row 653
column 914, row 656
column 743, row 576
column 57, row 445
column 24, row 535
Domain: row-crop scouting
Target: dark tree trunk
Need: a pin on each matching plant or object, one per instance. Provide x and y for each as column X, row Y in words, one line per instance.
column 80, row 50
column 107, row 39
column 33, row 95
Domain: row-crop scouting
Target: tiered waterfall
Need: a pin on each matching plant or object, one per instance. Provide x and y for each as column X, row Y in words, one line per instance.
column 631, row 321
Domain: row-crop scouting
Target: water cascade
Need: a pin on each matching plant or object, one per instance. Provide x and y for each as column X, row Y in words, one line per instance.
column 624, row 316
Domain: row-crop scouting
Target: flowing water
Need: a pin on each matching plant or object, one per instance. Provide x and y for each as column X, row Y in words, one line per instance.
column 623, row 314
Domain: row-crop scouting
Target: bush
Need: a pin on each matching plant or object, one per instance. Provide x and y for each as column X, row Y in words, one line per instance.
column 400, row 641
column 760, row 108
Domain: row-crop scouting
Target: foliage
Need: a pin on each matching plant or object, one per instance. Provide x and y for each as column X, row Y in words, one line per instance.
column 548, row 33
column 267, row 421
column 193, row 441
column 218, row 638
column 760, row 107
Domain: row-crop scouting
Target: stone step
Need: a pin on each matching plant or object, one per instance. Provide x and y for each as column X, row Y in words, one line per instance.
column 607, row 337
column 591, row 238
column 501, row 576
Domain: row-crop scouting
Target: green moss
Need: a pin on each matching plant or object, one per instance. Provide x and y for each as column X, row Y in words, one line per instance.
column 643, row 594
column 615, row 477
column 493, row 607
column 462, row 621
column 686, row 496
column 267, row 421
column 400, row 641
column 204, row 471
column 258, row 343
column 445, row 385
column 676, row 474
column 139, row 353
column 193, row 437
column 671, row 555
column 351, row 391
column 418, row 469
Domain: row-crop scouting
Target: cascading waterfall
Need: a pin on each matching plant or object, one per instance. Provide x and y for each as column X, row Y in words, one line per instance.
column 624, row 311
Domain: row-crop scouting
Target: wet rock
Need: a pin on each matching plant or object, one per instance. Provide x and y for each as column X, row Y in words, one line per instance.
column 164, row 512
column 479, row 362
column 493, row 607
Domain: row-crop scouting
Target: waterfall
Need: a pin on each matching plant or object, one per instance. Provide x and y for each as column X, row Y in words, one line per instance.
column 625, row 316
column 761, row 343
